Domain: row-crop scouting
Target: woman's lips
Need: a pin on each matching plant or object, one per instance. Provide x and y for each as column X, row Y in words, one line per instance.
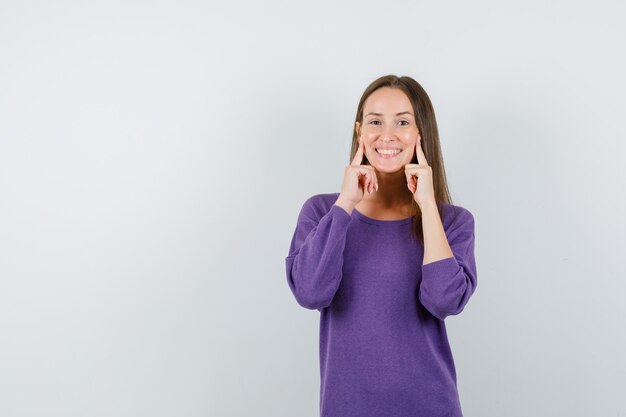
column 387, row 156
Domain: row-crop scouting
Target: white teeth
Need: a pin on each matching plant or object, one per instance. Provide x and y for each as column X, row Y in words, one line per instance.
column 388, row 152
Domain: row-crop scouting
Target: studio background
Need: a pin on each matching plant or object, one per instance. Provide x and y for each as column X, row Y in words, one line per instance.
column 154, row 157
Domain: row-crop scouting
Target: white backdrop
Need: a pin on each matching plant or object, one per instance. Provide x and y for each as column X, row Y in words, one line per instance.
column 154, row 157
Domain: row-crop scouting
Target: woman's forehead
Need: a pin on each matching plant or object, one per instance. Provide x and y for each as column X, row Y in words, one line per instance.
column 387, row 101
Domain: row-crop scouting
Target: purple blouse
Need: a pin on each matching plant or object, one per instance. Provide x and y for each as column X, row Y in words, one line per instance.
column 383, row 346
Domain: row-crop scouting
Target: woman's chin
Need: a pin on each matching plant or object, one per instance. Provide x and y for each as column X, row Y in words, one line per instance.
column 388, row 168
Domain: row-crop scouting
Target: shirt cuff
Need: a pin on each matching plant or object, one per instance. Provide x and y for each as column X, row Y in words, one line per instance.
column 446, row 267
column 335, row 210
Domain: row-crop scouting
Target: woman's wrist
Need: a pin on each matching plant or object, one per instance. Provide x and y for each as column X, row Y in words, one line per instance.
column 346, row 205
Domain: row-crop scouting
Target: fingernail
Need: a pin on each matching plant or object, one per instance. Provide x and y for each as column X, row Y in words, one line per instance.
column 376, row 187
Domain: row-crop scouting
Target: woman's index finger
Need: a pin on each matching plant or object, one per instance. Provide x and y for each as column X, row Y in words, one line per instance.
column 419, row 153
column 358, row 156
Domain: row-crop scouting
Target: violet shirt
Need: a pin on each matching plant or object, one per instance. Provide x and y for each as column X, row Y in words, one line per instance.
column 383, row 346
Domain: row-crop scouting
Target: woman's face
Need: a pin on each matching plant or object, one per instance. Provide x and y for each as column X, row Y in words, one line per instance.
column 388, row 124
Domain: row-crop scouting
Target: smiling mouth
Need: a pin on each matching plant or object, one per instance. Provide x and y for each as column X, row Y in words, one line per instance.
column 388, row 154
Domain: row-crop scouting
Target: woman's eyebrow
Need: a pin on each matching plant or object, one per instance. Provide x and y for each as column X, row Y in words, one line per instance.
column 397, row 114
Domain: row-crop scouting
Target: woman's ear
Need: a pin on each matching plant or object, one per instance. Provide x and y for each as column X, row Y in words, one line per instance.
column 357, row 129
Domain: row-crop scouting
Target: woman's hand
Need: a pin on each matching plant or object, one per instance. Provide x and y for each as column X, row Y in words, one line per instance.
column 357, row 178
column 419, row 177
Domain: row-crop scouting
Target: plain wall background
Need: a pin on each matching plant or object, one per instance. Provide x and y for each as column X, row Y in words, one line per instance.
column 154, row 157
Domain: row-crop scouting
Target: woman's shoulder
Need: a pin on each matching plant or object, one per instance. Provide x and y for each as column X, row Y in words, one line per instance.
column 455, row 216
column 317, row 205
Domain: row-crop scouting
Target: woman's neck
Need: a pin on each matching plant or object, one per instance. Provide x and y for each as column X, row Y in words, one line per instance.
column 392, row 191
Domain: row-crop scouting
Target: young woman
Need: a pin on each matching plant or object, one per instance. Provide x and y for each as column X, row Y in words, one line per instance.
column 385, row 261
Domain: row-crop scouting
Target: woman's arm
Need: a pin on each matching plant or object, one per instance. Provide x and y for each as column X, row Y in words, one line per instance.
column 315, row 261
column 436, row 245
column 449, row 276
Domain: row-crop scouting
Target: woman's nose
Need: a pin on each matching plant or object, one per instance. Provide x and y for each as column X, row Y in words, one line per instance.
column 389, row 133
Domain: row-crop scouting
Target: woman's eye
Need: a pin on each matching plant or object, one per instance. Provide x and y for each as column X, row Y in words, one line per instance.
column 401, row 121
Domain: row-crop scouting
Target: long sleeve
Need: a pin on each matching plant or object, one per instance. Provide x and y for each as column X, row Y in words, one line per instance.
column 448, row 284
column 315, row 260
